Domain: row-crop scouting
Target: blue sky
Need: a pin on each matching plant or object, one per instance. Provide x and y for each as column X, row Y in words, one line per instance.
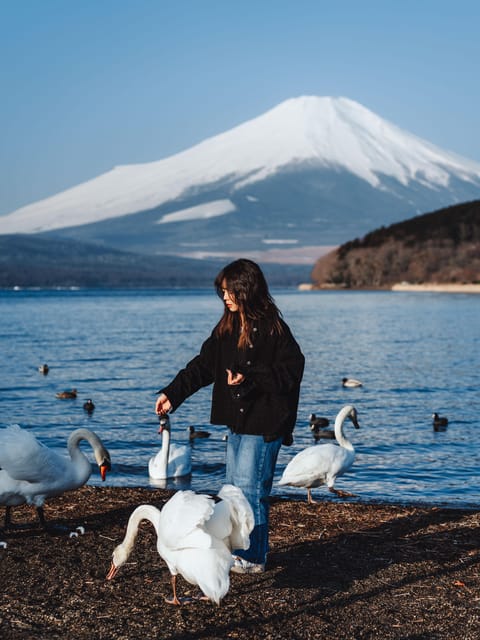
column 89, row 85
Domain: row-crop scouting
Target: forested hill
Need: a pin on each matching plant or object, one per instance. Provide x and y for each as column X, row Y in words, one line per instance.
column 441, row 247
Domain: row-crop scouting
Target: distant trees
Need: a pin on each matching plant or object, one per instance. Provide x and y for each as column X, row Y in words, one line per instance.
column 443, row 246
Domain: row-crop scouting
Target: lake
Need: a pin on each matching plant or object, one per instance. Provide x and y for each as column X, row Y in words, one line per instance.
column 416, row 353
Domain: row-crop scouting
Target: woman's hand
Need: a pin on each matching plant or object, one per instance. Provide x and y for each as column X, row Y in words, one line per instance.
column 234, row 378
column 163, row 405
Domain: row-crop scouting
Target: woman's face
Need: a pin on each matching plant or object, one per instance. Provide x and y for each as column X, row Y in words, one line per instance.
column 229, row 298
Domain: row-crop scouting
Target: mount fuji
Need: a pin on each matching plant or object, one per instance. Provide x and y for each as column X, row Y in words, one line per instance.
column 311, row 172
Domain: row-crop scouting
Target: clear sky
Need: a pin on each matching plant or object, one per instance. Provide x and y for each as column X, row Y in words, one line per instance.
column 87, row 85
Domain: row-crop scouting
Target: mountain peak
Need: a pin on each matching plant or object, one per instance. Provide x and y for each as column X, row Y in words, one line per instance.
column 315, row 133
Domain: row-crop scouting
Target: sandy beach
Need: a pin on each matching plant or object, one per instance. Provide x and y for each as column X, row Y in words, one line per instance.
column 438, row 288
column 337, row 569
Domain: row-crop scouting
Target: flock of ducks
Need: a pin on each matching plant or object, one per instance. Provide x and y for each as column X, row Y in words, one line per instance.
column 68, row 394
column 196, row 533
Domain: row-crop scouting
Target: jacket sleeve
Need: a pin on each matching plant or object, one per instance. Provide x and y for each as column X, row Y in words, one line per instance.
column 198, row 373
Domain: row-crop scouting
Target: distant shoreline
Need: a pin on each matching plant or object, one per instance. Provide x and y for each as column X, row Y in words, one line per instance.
column 401, row 286
column 439, row 288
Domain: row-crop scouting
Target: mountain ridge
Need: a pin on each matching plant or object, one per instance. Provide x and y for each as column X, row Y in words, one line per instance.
column 311, row 171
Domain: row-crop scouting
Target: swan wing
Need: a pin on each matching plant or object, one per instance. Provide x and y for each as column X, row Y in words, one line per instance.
column 179, row 460
column 309, row 465
column 209, row 569
column 241, row 516
column 182, row 519
column 341, row 462
column 23, row 457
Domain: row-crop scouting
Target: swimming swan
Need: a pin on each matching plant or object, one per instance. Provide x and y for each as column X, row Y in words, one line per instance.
column 30, row 472
column 173, row 460
column 195, row 537
column 322, row 464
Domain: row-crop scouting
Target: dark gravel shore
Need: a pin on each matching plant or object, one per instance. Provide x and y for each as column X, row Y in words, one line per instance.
column 337, row 570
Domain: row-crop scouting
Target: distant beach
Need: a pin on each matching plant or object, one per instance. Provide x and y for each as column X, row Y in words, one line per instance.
column 439, row 288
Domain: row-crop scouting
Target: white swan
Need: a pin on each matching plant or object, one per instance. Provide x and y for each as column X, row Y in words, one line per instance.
column 195, row 537
column 173, row 460
column 30, row 472
column 322, row 464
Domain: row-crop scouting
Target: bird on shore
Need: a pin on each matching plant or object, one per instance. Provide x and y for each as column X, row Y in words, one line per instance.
column 89, row 406
column 440, row 423
column 68, row 394
column 30, row 472
column 196, row 535
column 193, row 434
column 317, row 465
column 43, row 368
column 351, row 383
column 173, row 460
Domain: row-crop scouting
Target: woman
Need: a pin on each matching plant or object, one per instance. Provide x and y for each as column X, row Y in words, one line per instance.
column 256, row 367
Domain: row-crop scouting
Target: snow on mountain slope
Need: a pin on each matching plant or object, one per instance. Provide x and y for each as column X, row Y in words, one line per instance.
column 333, row 133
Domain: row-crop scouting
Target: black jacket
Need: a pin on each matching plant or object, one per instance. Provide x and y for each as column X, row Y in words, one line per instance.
column 266, row 402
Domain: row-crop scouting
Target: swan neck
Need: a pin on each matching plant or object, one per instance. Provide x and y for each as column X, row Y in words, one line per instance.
column 82, row 434
column 342, row 440
column 165, row 444
column 143, row 512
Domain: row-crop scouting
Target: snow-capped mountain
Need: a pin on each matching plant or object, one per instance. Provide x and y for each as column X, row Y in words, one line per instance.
column 311, row 171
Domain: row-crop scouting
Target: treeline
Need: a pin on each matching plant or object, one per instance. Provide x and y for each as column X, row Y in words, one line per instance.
column 443, row 246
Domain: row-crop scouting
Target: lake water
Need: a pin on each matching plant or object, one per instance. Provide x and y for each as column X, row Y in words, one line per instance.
column 415, row 354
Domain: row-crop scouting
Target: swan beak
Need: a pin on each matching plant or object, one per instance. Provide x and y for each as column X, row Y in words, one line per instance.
column 354, row 419
column 112, row 573
column 104, row 467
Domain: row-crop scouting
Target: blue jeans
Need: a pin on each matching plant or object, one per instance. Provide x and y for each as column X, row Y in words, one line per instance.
column 250, row 466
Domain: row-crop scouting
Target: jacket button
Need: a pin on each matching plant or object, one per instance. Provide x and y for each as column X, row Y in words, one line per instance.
column 248, row 362
column 241, row 410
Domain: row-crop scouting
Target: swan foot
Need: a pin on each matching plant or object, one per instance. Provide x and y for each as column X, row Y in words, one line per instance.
column 342, row 494
column 201, row 596
column 174, row 600
column 112, row 572
column 179, row 601
column 310, row 500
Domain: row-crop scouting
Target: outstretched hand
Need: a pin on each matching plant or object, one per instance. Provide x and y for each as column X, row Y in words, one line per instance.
column 163, row 405
column 234, row 378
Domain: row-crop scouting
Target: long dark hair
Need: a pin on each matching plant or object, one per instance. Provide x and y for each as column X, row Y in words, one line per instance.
column 245, row 281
